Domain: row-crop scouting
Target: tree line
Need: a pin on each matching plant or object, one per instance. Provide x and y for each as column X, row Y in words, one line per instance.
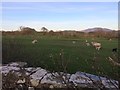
column 44, row 31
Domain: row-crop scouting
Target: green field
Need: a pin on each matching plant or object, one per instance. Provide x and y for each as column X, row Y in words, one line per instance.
column 47, row 51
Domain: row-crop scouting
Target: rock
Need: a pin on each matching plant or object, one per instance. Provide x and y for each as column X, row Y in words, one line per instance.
column 51, row 86
column 34, row 82
column 38, row 74
column 18, row 64
column 30, row 88
column 54, row 80
column 21, row 81
column 6, row 69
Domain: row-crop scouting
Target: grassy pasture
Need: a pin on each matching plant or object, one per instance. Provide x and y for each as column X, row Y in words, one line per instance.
column 48, row 49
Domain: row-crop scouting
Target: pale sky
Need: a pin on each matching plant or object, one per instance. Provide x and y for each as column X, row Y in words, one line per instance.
column 59, row 15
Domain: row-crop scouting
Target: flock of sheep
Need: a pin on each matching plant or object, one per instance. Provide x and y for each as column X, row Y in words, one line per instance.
column 96, row 45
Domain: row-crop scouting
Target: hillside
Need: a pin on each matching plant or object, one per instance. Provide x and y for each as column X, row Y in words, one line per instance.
column 96, row 30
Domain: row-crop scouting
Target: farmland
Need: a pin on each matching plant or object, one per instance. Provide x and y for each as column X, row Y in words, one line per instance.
column 48, row 50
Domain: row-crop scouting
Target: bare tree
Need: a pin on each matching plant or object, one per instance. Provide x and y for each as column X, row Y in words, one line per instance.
column 44, row 29
column 27, row 30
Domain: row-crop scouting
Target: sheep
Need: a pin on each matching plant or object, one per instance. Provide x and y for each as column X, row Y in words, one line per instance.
column 34, row 41
column 96, row 45
column 73, row 42
column 114, row 50
column 88, row 44
column 110, row 39
column 86, row 41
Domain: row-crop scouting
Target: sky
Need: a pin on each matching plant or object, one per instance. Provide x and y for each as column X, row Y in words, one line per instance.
column 59, row 15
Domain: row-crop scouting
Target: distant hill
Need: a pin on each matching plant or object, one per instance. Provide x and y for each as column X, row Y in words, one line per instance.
column 96, row 30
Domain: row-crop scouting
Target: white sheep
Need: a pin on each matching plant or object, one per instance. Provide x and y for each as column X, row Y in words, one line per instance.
column 88, row 44
column 96, row 45
column 34, row 41
column 73, row 42
column 110, row 39
column 86, row 41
